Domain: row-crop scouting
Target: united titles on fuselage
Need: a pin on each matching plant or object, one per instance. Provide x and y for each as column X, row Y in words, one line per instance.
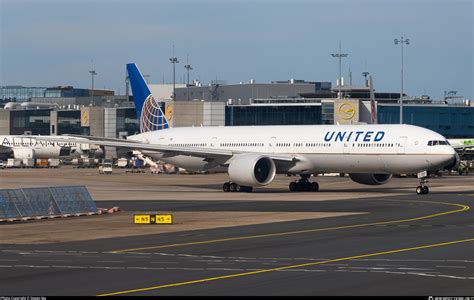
column 354, row 136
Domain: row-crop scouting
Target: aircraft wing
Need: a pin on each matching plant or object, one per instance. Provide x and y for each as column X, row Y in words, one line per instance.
column 221, row 155
column 76, row 137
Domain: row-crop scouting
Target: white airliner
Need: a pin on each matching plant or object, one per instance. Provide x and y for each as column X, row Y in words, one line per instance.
column 33, row 147
column 253, row 155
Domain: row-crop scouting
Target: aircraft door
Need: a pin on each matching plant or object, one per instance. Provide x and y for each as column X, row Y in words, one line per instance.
column 401, row 144
column 214, row 143
column 346, row 148
column 272, row 145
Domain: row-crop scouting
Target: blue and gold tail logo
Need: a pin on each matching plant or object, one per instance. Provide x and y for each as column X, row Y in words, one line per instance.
column 149, row 113
column 152, row 117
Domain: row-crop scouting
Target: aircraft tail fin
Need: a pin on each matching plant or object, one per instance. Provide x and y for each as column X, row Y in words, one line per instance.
column 149, row 114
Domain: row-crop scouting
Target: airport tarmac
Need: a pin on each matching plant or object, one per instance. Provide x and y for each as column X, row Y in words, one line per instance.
column 346, row 239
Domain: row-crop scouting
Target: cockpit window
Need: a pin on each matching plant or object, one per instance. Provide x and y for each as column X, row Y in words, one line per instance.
column 436, row 143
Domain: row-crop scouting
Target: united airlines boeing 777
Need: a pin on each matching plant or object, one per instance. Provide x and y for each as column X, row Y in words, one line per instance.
column 253, row 155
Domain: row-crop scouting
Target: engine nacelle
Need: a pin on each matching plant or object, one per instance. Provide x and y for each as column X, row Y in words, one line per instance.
column 22, row 153
column 252, row 170
column 370, row 179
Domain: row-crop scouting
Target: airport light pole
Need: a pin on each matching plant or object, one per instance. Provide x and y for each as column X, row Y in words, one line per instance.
column 396, row 42
column 365, row 74
column 340, row 56
column 188, row 68
column 93, row 72
column 174, row 61
column 127, row 84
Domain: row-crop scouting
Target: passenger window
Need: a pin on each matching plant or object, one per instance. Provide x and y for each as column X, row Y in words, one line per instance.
column 430, row 143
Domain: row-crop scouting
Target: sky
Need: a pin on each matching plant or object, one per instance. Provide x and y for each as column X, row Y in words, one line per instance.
column 51, row 43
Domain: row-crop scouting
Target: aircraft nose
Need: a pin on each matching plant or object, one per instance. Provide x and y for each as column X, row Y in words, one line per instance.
column 453, row 161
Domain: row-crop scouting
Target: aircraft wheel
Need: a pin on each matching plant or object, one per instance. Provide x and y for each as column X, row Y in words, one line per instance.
column 226, row 187
column 292, row 186
column 307, row 187
column 425, row 190
column 314, row 186
column 298, row 187
column 233, row 187
column 238, row 188
column 419, row 190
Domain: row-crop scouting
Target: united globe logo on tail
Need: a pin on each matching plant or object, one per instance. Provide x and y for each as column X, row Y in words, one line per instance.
column 152, row 117
column 149, row 113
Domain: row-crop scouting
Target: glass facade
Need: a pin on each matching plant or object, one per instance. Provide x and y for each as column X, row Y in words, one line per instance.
column 35, row 121
column 127, row 121
column 69, row 122
column 449, row 121
column 20, row 93
column 272, row 115
column 68, row 91
column 327, row 113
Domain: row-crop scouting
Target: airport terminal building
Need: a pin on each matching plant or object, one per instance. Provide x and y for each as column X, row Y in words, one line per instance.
column 292, row 102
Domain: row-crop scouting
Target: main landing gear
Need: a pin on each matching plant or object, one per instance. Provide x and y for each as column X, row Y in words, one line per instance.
column 422, row 189
column 304, row 185
column 234, row 187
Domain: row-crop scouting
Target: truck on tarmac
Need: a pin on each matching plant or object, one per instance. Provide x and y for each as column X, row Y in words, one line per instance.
column 105, row 168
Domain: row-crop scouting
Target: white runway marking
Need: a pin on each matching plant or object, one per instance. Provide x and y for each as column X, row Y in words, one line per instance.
column 345, row 270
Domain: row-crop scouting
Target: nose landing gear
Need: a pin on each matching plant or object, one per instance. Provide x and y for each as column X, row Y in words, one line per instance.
column 422, row 189
column 303, row 185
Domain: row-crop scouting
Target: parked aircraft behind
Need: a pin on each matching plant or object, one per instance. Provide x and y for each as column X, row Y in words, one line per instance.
column 253, row 155
column 33, row 147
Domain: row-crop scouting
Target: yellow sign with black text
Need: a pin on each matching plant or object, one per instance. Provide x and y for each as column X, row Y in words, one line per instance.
column 153, row 219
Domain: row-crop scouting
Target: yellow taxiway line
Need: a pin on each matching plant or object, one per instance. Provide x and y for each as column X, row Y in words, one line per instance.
column 461, row 208
column 286, row 267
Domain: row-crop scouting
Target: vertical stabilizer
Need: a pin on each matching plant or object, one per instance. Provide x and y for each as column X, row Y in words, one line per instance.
column 149, row 114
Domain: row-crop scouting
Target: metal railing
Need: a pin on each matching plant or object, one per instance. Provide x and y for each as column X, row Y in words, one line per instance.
column 45, row 201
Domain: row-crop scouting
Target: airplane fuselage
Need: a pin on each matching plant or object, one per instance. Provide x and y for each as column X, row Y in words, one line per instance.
column 386, row 149
column 24, row 146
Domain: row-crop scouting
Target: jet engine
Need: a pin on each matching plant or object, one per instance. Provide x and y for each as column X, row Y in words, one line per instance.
column 252, row 170
column 370, row 179
column 22, row 153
